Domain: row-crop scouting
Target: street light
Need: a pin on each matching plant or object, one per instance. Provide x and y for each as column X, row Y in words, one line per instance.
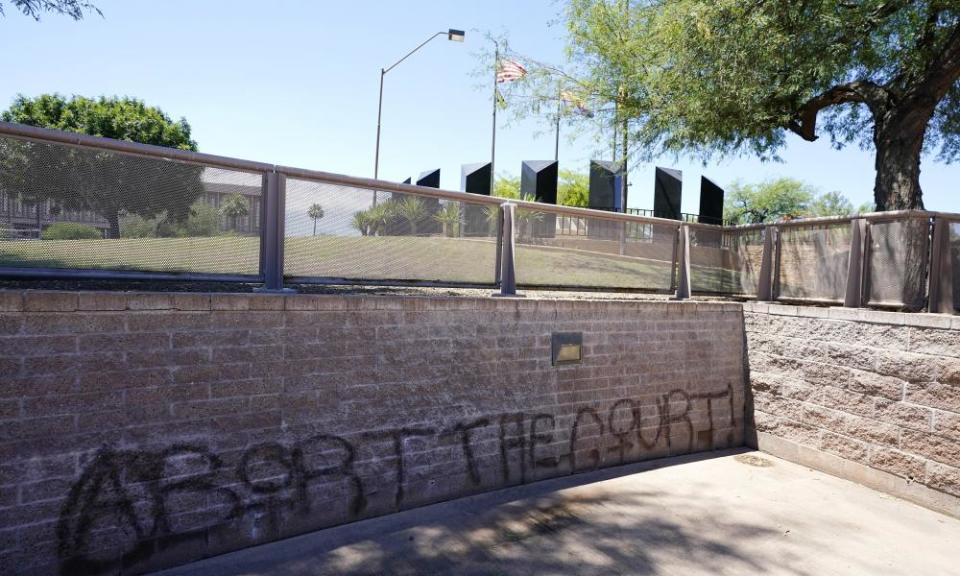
column 453, row 36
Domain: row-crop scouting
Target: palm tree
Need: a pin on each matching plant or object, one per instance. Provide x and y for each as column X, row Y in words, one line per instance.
column 526, row 217
column 380, row 216
column 315, row 212
column 412, row 210
column 361, row 221
column 492, row 214
column 234, row 207
column 449, row 218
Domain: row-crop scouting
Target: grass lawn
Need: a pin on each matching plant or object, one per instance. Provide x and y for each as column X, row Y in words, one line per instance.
column 373, row 258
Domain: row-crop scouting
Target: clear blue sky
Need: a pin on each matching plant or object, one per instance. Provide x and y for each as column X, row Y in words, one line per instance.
column 295, row 82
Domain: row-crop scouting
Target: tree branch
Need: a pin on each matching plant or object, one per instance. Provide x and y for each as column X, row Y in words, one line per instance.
column 804, row 122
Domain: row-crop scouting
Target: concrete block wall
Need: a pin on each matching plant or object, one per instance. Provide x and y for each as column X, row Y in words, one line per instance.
column 866, row 395
column 138, row 431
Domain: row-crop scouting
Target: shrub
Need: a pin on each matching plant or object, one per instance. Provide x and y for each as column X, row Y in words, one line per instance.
column 204, row 220
column 70, row 231
column 134, row 226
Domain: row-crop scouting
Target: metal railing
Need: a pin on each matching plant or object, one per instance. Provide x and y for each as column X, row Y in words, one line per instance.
column 176, row 215
column 166, row 214
column 905, row 260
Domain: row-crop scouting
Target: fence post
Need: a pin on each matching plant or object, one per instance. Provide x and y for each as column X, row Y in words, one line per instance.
column 271, row 233
column 940, row 297
column 508, row 276
column 683, row 282
column 765, row 284
column 856, row 267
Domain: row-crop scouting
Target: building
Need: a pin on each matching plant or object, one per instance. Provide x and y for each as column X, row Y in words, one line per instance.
column 23, row 219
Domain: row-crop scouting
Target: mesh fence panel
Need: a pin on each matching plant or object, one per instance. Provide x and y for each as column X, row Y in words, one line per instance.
column 77, row 208
column 398, row 237
column 575, row 251
column 898, row 263
column 814, row 261
column 726, row 261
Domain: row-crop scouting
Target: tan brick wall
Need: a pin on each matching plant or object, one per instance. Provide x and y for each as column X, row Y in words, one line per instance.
column 870, row 396
column 143, row 430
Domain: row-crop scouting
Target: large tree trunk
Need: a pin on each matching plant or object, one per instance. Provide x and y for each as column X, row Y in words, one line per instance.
column 898, row 137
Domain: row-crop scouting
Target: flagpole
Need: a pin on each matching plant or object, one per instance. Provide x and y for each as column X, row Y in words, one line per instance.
column 493, row 138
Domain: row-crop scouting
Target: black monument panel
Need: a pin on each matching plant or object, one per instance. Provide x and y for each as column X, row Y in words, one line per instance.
column 430, row 179
column 476, row 179
column 407, row 181
column 667, row 192
column 429, row 225
column 606, row 182
column 711, row 202
column 538, row 179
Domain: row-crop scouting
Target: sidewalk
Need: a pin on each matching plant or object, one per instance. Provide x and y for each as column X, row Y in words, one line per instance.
column 739, row 512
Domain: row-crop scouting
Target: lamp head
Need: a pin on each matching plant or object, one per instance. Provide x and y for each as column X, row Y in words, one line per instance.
column 455, row 35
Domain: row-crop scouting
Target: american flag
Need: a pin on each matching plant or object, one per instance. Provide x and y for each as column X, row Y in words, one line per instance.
column 509, row 70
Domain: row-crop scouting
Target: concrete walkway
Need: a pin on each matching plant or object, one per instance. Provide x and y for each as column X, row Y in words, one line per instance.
column 736, row 512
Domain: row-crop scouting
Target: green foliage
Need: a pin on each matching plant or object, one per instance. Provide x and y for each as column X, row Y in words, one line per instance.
column 204, row 220
column 782, row 198
column 449, row 219
column 134, row 226
column 34, row 8
column 768, row 201
column 507, row 186
column 118, row 118
column 234, row 207
column 107, row 183
column 361, row 222
column 70, row 231
column 736, row 76
column 379, row 218
column 315, row 212
column 831, row 204
column 413, row 211
column 573, row 189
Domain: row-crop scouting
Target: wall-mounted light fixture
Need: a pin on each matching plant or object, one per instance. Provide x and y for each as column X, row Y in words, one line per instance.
column 567, row 348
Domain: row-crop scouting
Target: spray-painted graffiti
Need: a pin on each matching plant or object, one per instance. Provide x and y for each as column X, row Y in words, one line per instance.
column 128, row 505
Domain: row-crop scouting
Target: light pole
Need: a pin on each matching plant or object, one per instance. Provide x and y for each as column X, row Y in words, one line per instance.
column 453, row 35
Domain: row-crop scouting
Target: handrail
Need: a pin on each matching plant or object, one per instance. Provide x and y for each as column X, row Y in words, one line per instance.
column 679, row 229
column 33, row 133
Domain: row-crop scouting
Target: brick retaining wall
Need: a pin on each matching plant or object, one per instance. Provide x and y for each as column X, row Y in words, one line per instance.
column 869, row 396
column 139, row 431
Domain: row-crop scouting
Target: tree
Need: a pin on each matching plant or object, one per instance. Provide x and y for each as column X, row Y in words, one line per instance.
column 782, row 198
column 768, row 201
column 379, row 218
column 108, row 183
column 315, row 212
column 831, row 204
column 573, row 189
column 449, row 218
column 361, row 221
column 234, row 207
column 737, row 76
column 507, row 186
column 34, row 8
column 413, row 211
